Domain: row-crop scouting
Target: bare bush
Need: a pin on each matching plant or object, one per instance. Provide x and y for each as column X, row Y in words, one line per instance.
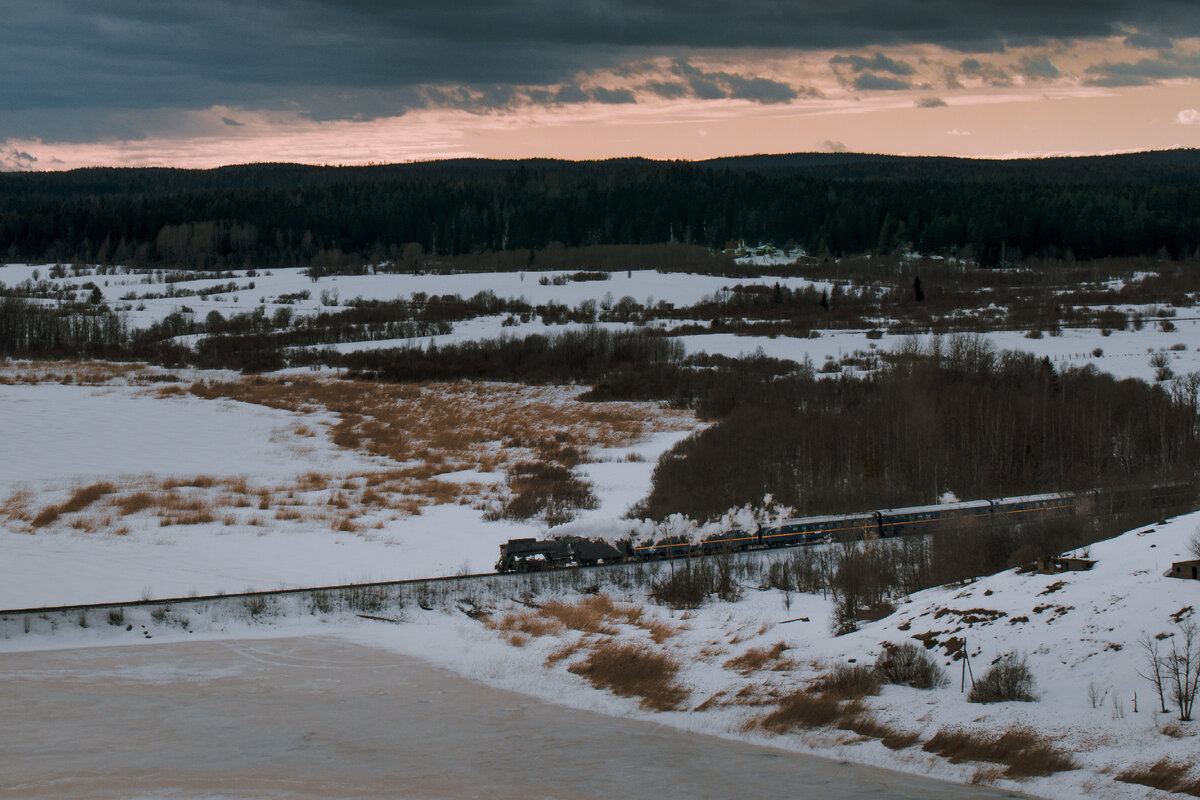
column 1007, row 679
column 686, row 585
column 255, row 604
column 909, row 665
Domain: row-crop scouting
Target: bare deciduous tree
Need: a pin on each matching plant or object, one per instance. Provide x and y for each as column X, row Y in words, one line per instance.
column 1182, row 666
column 1154, row 667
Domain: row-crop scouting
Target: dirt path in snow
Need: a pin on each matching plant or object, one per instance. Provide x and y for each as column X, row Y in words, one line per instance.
column 318, row 717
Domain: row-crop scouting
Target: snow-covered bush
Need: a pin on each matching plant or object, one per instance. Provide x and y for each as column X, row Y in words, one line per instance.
column 909, row 665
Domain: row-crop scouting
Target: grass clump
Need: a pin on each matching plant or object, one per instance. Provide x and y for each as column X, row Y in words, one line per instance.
column 1164, row 774
column 757, row 658
column 80, row 499
column 802, row 710
column 1023, row 752
column 847, row 682
column 633, row 671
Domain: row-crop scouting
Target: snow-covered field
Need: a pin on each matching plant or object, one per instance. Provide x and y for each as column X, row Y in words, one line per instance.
column 1122, row 353
column 281, row 501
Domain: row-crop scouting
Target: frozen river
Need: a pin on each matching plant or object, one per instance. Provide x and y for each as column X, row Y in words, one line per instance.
column 319, row 717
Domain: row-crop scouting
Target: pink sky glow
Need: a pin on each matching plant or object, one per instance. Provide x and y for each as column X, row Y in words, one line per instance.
column 1007, row 106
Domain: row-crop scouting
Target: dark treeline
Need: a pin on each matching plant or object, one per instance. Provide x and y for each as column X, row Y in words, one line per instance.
column 281, row 215
column 573, row 356
column 967, row 419
column 28, row 329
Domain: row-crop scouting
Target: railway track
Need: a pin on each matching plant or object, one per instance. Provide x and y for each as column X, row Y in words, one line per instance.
column 356, row 596
column 243, row 596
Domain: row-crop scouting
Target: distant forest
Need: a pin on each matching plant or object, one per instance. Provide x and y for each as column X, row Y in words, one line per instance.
column 265, row 215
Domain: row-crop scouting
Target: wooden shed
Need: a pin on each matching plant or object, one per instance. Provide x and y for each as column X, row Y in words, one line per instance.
column 1052, row 565
column 1188, row 570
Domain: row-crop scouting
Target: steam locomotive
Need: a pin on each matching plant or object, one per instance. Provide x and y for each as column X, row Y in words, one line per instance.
column 527, row 555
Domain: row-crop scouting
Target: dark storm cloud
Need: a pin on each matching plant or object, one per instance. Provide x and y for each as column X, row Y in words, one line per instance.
column 760, row 90
column 1148, row 40
column 717, row 85
column 1038, row 68
column 870, row 82
column 14, row 160
column 670, row 91
column 1140, row 73
column 233, row 123
column 360, row 59
column 613, row 96
column 879, row 63
column 571, row 93
column 989, row 73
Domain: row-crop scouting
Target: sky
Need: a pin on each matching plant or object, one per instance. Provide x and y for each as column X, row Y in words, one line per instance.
column 201, row 84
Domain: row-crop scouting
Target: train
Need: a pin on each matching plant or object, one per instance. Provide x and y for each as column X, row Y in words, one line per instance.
column 529, row 554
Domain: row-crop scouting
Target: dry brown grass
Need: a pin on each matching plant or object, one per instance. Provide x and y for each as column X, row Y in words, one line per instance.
column 854, row 718
column 807, row 709
column 47, row 516
column 79, row 373
column 16, row 505
column 1165, row 774
column 802, row 710
column 83, row 497
column 80, row 498
column 370, row 497
column 528, row 623
column 757, row 658
column 629, row 670
column 659, row 631
column 197, row 516
column 89, row 524
column 846, row 682
column 1024, row 752
column 133, row 503
column 195, row 482
column 595, row 615
column 564, row 652
column 454, row 426
column 344, row 524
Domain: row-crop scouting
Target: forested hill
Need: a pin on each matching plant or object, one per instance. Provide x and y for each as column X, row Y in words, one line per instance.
column 288, row 214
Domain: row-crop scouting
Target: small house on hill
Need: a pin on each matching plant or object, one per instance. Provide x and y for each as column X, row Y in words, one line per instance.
column 1188, row 570
column 1052, row 565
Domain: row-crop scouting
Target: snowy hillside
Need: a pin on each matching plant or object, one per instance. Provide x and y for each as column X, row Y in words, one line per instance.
column 1079, row 632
